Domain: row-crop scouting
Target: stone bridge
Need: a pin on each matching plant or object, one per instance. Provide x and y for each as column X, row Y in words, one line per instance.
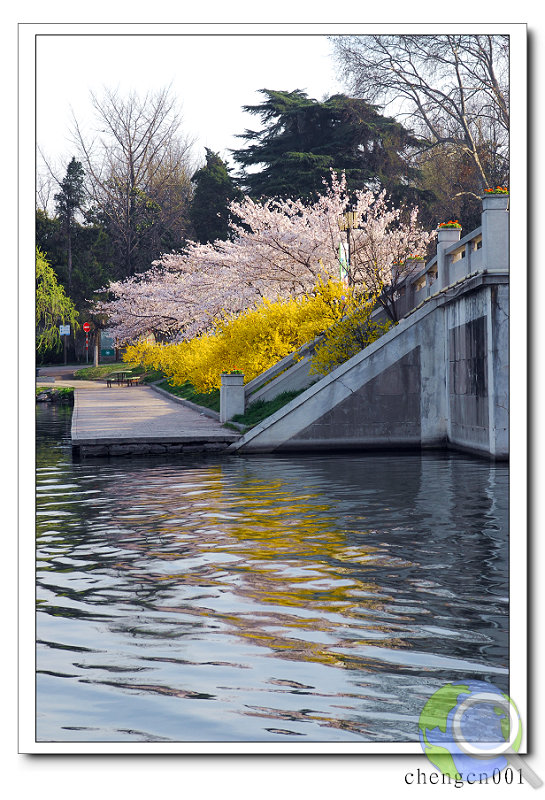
column 439, row 378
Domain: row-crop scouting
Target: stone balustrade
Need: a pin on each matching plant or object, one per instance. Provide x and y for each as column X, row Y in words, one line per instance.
column 485, row 248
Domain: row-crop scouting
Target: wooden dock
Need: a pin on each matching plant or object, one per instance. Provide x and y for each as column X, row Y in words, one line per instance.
column 136, row 420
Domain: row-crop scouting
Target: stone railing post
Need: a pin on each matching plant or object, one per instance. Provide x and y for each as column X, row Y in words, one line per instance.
column 231, row 395
column 495, row 225
column 413, row 266
column 445, row 238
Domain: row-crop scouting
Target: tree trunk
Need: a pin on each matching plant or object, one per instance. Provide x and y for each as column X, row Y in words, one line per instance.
column 97, row 348
column 69, row 237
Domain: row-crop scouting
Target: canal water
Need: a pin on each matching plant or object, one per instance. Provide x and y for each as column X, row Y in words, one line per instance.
column 317, row 598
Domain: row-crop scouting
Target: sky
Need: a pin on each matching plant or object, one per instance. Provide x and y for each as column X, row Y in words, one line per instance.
column 212, row 77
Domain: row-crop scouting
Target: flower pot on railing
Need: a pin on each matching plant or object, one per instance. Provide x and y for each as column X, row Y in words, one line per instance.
column 231, row 395
column 495, row 201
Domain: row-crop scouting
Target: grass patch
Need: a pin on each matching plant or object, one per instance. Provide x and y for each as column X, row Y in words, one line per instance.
column 104, row 370
column 261, row 409
column 188, row 392
column 151, row 376
column 236, row 428
column 100, row 372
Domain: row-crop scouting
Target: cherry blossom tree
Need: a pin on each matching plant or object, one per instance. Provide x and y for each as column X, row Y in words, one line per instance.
column 279, row 248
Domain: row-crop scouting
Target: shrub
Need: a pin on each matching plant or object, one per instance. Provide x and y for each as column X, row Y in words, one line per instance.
column 250, row 342
column 347, row 337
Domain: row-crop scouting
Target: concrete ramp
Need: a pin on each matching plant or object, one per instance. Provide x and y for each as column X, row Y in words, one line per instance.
column 438, row 377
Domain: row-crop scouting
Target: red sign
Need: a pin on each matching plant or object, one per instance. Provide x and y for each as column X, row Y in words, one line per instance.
column 86, row 327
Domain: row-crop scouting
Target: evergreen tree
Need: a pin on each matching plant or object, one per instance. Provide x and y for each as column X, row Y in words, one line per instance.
column 214, row 189
column 303, row 139
column 50, row 238
column 68, row 202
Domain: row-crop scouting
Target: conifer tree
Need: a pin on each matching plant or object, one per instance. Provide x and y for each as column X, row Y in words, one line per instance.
column 214, row 189
column 303, row 139
column 68, row 202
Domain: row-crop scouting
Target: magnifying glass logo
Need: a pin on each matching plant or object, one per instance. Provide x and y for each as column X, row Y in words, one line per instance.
column 471, row 728
column 493, row 747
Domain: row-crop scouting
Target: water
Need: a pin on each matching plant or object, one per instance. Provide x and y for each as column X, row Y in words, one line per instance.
column 312, row 598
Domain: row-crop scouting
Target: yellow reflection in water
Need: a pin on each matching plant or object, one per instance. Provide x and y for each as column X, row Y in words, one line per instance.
column 284, row 573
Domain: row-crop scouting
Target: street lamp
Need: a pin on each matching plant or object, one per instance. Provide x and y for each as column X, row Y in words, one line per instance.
column 348, row 222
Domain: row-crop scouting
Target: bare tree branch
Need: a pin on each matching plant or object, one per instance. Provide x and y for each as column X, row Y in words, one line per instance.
column 139, row 165
column 450, row 88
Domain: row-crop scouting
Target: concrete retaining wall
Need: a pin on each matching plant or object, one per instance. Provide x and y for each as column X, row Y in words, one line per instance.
column 144, row 448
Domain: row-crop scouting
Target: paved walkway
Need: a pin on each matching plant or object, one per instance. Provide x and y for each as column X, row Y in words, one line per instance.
column 57, row 372
column 132, row 414
column 125, row 420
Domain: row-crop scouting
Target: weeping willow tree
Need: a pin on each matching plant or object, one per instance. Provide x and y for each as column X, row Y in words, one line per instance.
column 53, row 306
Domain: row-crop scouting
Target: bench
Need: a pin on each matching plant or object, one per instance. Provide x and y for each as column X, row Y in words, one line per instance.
column 119, row 378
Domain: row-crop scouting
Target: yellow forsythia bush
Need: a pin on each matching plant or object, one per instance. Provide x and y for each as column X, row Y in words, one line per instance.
column 348, row 336
column 251, row 342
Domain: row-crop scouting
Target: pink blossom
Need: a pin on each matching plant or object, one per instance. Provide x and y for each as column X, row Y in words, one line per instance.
column 279, row 248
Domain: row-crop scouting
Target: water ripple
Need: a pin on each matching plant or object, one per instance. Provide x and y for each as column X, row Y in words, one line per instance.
column 322, row 597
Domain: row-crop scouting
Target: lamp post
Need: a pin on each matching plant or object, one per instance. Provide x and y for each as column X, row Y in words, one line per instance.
column 348, row 222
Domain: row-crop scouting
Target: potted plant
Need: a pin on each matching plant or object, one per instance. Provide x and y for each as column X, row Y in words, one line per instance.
column 451, row 224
